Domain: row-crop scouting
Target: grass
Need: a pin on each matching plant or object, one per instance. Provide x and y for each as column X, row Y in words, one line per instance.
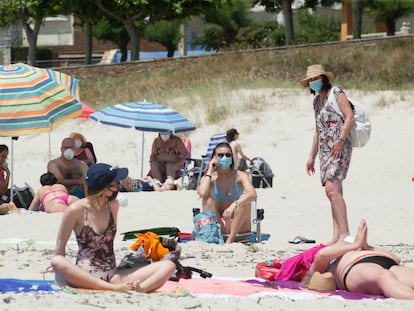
column 207, row 81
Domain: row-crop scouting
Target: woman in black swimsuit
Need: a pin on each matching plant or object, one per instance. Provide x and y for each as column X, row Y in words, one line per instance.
column 360, row 268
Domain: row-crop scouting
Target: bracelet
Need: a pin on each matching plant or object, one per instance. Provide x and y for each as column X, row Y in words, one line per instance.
column 207, row 175
column 237, row 204
column 340, row 139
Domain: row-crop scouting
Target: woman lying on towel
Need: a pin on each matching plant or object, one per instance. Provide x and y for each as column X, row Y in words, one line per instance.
column 360, row 268
column 94, row 222
column 228, row 192
column 148, row 183
column 51, row 196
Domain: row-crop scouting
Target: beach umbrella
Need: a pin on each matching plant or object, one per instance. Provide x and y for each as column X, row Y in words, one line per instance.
column 86, row 111
column 34, row 100
column 143, row 116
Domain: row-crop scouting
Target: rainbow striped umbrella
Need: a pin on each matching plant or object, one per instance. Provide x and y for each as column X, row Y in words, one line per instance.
column 34, row 100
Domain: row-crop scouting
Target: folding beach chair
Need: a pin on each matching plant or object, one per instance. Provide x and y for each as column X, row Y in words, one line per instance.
column 193, row 168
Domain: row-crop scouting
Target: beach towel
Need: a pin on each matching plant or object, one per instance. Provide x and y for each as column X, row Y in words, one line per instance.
column 27, row 286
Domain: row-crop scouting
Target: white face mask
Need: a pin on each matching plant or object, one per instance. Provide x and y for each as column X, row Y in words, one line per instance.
column 68, row 154
column 78, row 143
column 165, row 137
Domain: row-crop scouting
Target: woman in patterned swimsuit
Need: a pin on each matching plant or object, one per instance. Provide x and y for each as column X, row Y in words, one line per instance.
column 360, row 268
column 93, row 220
column 331, row 141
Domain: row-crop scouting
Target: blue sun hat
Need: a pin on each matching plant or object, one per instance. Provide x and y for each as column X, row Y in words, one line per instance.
column 100, row 175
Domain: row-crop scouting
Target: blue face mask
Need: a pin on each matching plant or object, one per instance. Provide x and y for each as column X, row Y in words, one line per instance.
column 225, row 162
column 316, row 85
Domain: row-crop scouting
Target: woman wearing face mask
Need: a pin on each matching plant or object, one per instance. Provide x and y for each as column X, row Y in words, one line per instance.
column 332, row 143
column 168, row 154
column 227, row 192
column 81, row 152
column 94, row 222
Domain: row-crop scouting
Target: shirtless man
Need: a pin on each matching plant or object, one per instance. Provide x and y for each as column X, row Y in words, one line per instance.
column 69, row 171
column 51, row 197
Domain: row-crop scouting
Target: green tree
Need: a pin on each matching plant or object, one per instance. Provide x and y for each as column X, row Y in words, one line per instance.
column 261, row 35
column 313, row 28
column 30, row 13
column 166, row 33
column 389, row 11
column 87, row 14
column 226, row 22
column 286, row 7
column 136, row 15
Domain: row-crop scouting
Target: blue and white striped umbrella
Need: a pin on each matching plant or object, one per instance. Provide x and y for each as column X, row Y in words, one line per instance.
column 144, row 116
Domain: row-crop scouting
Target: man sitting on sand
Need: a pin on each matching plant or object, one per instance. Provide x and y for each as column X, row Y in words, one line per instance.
column 69, row 171
column 51, row 197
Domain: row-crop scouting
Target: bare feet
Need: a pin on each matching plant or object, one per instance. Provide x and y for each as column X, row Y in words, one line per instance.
column 13, row 208
column 362, row 235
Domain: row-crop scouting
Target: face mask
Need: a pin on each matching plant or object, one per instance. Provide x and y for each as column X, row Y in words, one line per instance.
column 316, row 85
column 165, row 137
column 225, row 162
column 113, row 196
column 68, row 154
column 78, row 143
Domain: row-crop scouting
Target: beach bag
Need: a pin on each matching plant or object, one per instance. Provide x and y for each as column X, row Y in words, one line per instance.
column 206, row 228
column 361, row 131
column 22, row 196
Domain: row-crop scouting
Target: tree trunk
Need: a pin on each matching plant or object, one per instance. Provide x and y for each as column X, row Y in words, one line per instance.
column 88, row 42
column 357, row 27
column 31, row 35
column 288, row 16
column 390, row 22
column 135, row 36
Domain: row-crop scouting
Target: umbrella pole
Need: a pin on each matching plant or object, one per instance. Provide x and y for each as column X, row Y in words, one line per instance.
column 50, row 145
column 142, row 155
column 11, row 169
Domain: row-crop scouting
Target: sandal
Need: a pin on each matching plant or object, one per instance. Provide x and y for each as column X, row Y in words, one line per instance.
column 301, row 240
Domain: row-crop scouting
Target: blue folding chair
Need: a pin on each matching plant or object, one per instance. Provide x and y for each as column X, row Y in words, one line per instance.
column 193, row 168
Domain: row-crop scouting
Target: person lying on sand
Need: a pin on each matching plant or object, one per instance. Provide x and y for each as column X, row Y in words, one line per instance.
column 360, row 268
column 51, row 196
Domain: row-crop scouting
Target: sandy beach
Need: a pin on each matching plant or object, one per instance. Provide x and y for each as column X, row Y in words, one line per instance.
column 378, row 188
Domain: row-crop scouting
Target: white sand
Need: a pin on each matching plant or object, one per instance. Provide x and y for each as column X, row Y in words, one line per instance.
column 378, row 188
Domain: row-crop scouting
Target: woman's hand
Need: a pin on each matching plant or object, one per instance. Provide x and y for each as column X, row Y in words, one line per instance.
column 228, row 212
column 336, row 150
column 310, row 167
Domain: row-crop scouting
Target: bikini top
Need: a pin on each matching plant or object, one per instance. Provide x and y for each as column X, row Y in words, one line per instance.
column 219, row 196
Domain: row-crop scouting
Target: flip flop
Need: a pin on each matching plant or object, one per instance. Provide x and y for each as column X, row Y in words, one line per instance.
column 301, row 240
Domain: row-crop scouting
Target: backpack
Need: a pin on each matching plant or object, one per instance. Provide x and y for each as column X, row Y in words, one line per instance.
column 206, row 228
column 361, row 131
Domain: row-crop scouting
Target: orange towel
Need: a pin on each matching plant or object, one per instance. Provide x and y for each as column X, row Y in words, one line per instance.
column 152, row 246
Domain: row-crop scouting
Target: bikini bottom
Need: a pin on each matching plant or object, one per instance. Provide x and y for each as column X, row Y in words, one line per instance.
column 382, row 261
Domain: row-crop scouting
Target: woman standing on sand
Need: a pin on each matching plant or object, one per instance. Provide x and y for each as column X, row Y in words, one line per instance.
column 331, row 141
column 94, row 222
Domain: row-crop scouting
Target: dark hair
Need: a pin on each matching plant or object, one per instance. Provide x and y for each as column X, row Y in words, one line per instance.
column 326, row 85
column 225, row 145
column 4, row 148
column 231, row 134
column 48, row 179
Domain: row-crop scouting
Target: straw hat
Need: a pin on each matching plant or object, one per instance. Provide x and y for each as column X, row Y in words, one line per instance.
column 322, row 282
column 314, row 71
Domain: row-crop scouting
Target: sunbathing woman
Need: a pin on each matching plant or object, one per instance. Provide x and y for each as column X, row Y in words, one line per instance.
column 147, row 183
column 51, row 197
column 94, row 222
column 227, row 192
column 360, row 268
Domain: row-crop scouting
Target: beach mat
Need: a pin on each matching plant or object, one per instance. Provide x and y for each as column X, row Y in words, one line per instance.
column 27, row 286
column 169, row 232
column 224, row 287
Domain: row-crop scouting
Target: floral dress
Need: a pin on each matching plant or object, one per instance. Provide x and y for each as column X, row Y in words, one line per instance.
column 329, row 125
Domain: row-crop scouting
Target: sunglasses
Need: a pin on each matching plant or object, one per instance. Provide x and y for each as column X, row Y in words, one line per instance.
column 227, row 155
